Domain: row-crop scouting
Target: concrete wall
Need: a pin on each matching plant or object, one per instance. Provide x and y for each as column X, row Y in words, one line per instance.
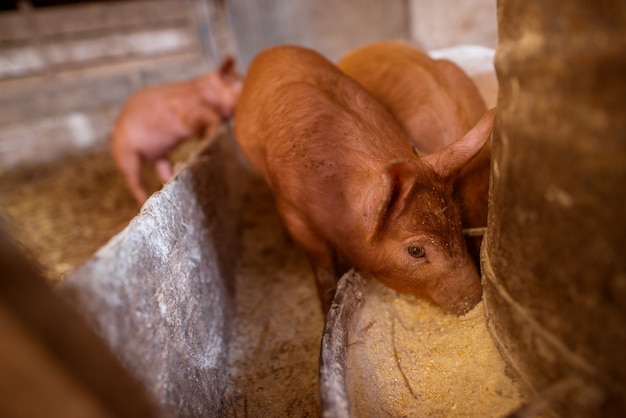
column 443, row 23
column 65, row 70
column 330, row 27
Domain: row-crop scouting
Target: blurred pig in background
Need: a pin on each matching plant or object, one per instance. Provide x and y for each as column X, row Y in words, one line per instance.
column 155, row 120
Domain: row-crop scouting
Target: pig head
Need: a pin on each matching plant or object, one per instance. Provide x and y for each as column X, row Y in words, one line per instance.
column 436, row 103
column 348, row 184
column 155, row 120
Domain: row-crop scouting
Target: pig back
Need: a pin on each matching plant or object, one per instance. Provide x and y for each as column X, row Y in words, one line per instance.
column 317, row 137
column 299, row 111
column 434, row 100
column 259, row 110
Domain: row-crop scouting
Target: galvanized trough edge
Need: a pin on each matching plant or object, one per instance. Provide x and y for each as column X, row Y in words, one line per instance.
column 332, row 369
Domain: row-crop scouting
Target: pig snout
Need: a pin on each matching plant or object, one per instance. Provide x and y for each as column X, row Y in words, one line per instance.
column 460, row 291
column 452, row 283
column 435, row 267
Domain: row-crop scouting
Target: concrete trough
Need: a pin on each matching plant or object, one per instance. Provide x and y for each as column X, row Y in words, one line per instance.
column 161, row 292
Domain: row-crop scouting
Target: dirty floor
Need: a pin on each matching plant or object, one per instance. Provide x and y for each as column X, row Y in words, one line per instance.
column 278, row 324
column 65, row 210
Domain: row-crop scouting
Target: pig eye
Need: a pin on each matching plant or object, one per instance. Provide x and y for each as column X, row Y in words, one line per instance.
column 417, row 252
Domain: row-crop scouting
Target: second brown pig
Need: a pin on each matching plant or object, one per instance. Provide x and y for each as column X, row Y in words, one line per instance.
column 347, row 183
column 436, row 103
column 155, row 120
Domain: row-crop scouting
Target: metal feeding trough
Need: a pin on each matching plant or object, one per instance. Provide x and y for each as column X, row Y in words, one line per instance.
column 386, row 354
column 168, row 298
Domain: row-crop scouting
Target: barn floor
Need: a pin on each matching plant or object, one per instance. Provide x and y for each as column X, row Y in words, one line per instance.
column 278, row 323
column 66, row 210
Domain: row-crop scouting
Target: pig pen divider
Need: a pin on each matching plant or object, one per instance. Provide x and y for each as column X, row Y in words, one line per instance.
column 160, row 293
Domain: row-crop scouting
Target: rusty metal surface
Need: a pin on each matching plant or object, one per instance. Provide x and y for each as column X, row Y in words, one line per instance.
column 555, row 272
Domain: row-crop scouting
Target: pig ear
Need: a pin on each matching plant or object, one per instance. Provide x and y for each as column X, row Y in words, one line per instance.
column 227, row 67
column 449, row 161
column 387, row 198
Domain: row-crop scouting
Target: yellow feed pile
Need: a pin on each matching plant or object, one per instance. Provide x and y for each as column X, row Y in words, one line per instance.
column 408, row 358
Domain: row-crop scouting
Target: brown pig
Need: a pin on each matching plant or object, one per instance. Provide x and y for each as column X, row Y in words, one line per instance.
column 155, row 120
column 347, row 183
column 436, row 103
column 477, row 62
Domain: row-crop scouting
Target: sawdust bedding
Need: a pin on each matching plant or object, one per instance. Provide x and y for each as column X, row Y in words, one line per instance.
column 278, row 323
column 65, row 210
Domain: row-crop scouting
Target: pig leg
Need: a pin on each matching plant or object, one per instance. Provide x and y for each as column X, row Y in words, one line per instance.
column 164, row 169
column 325, row 276
column 130, row 166
column 320, row 255
column 322, row 259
